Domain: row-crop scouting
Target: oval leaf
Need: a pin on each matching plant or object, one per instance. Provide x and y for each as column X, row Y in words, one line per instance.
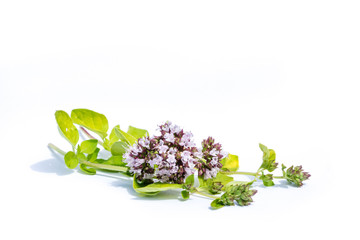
column 185, row 194
column 93, row 121
column 230, row 163
column 71, row 160
column 66, row 127
column 153, row 188
column 89, row 146
column 137, row 132
column 216, row 204
column 125, row 137
column 190, row 180
column 118, row 148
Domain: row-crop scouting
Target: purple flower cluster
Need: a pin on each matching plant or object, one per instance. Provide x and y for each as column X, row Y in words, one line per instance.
column 169, row 157
column 212, row 153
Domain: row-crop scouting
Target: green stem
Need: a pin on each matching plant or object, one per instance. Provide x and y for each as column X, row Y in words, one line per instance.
column 279, row 177
column 240, row 173
column 55, row 148
column 204, row 194
column 91, row 164
column 105, row 166
column 256, row 175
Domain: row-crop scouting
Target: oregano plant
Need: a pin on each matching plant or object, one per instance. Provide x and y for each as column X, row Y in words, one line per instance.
column 167, row 160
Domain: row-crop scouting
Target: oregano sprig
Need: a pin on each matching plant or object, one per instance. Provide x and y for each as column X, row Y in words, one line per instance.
column 168, row 161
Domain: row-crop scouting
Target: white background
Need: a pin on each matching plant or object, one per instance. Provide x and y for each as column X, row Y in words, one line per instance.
column 283, row 73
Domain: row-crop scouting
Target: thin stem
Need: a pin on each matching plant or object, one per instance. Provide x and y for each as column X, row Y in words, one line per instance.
column 91, row 136
column 205, row 194
column 279, row 177
column 55, row 148
column 240, row 173
column 105, row 166
column 256, row 175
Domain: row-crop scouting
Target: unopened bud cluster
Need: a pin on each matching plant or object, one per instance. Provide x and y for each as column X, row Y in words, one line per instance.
column 240, row 193
column 296, row 175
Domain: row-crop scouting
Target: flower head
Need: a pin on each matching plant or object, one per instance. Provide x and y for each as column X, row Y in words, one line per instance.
column 212, row 153
column 169, row 157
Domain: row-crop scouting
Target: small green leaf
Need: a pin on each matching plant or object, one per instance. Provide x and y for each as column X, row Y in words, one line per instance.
column 118, row 148
column 216, row 204
column 272, row 155
column 267, row 179
column 66, row 127
column 153, row 188
column 86, row 169
column 137, row 132
column 265, row 150
column 93, row 121
column 214, row 185
column 116, row 160
column 89, row 146
column 112, row 138
column 185, row 194
column 268, row 158
column 125, row 137
column 81, row 157
column 230, row 163
column 71, row 160
column 93, row 156
column 190, row 180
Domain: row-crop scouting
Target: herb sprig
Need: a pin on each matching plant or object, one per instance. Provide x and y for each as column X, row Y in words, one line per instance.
column 167, row 161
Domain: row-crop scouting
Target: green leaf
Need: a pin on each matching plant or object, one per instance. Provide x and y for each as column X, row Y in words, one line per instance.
column 190, row 180
column 185, row 194
column 89, row 146
column 230, row 163
column 93, row 156
column 189, row 183
column 267, row 179
column 66, row 127
column 214, row 185
column 112, row 139
column 71, row 160
column 125, row 137
column 116, row 160
column 137, row 132
column 80, row 156
column 86, row 169
column 93, row 121
column 269, row 157
column 153, row 188
column 216, row 204
column 272, row 155
column 118, row 148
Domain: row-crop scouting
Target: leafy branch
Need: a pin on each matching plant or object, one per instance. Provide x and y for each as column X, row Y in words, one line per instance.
column 166, row 162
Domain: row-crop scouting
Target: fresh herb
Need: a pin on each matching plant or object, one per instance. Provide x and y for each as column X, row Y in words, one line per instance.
column 167, row 161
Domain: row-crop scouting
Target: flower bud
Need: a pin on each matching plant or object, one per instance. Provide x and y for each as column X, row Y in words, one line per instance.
column 296, row 175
